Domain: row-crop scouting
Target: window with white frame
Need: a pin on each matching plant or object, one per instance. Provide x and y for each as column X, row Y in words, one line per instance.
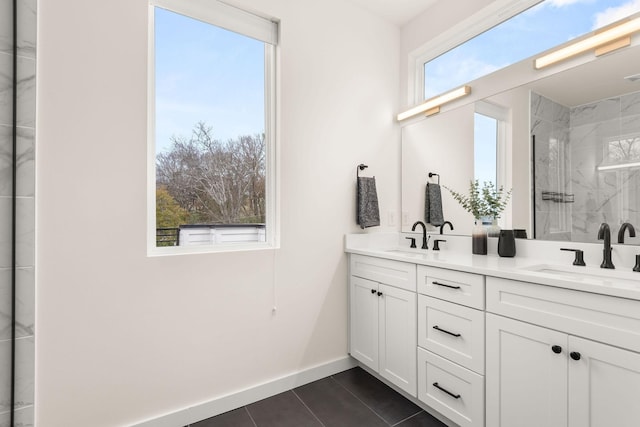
column 211, row 127
column 507, row 32
column 490, row 145
column 485, row 150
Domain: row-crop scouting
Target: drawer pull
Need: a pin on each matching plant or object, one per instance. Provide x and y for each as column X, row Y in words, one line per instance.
column 455, row 396
column 379, row 294
column 575, row 355
column 437, row 328
column 446, row 286
column 556, row 349
column 373, row 291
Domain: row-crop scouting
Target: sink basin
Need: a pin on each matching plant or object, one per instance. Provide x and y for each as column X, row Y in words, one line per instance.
column 587, row 274
column 420, row 254
column 408, row 252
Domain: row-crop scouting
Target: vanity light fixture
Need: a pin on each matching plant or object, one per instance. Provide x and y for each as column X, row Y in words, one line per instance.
column 432, row 106
column 604, row 41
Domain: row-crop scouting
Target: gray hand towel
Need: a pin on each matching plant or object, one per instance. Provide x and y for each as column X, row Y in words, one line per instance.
column 367, row 203
column 433, row 205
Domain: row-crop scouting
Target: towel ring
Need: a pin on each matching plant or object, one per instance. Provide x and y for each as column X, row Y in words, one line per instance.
column 431, row 175
column 359, row 168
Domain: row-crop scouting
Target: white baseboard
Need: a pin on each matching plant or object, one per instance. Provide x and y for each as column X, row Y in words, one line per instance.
column 244, row 397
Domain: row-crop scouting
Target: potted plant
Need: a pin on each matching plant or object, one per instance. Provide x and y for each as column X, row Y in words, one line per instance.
column 486, row 202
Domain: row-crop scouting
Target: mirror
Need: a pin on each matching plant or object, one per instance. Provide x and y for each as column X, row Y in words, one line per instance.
column 586, row 123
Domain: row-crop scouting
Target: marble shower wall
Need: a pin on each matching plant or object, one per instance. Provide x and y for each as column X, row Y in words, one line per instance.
column 605, row 132
column 550, row 124
column 570, row 145
column 25, row 278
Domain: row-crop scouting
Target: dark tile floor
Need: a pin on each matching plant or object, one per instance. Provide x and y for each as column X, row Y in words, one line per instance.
column 351, row 398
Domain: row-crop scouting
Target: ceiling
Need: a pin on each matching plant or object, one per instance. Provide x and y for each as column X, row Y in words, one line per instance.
column 398, row 12
column 595, row 80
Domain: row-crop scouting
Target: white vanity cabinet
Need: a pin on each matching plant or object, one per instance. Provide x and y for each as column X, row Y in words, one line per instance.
column 544, row 366
column 484, row 349
column 451, row 343
column 382, row 318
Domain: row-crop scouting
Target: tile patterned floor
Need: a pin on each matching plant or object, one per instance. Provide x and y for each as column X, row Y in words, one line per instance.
column 352, row 398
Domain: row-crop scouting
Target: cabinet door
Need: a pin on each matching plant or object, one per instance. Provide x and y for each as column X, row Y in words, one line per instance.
column 398, row 337
column 604, row 385
column 363, row 338
column 526, row 380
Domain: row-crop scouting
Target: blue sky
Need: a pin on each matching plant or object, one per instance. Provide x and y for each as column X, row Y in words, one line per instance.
column 205, row 73
column 548, row 24
column 485, row 149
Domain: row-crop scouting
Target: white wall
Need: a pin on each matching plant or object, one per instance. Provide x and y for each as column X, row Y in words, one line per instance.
column 518, row 169
column 443, row 144
column 123, row 337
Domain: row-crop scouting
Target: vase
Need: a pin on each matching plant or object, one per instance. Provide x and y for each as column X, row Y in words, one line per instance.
column 493, row 230
column 479, row 239
column 507, row 243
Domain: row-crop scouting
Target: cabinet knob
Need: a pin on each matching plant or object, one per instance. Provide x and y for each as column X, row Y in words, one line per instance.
column 556, row 349
column 373, row 291
column 379, row 294
column 575, row 355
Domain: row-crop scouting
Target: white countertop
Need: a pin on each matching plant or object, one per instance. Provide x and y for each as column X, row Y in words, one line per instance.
column 559, row 270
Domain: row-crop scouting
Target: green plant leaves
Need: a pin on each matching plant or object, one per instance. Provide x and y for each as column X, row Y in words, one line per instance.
column 485, row 201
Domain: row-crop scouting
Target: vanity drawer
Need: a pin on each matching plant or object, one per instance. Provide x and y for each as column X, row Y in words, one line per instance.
column 440, row 381
column 394, row 273
column 451, row 285
column 452, row 331
column 603, row 318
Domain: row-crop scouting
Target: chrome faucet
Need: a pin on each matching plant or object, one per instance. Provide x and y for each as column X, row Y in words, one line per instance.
column 445, row 223
column 604, row 233
column 623, row 228
column 424, row 233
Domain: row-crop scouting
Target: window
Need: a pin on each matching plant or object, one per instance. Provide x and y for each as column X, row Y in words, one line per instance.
column 485, row 148
column 497, row 38
column 491, row 143
column 621, row 152
column 490, row 146
column 212, row 128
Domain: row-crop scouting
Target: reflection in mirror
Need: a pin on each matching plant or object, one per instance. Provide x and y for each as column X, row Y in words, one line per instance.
column 489, row 143
column 541, row 25
column 485, row 138
column 443, row 144
column 589, row 169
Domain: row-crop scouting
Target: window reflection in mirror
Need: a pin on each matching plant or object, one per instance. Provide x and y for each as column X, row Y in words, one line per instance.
column 490, row 146
column 485, row 131
column 543, row 26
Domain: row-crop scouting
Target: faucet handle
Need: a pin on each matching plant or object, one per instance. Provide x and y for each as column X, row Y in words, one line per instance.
column 435, row 244
column 425, row 242
column 579, row 260
column 413, row 241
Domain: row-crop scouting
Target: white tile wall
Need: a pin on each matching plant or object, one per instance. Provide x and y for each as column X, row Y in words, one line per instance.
column 25, row 278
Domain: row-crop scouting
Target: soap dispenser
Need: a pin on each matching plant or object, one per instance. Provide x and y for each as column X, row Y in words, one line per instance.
column 506, row 243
